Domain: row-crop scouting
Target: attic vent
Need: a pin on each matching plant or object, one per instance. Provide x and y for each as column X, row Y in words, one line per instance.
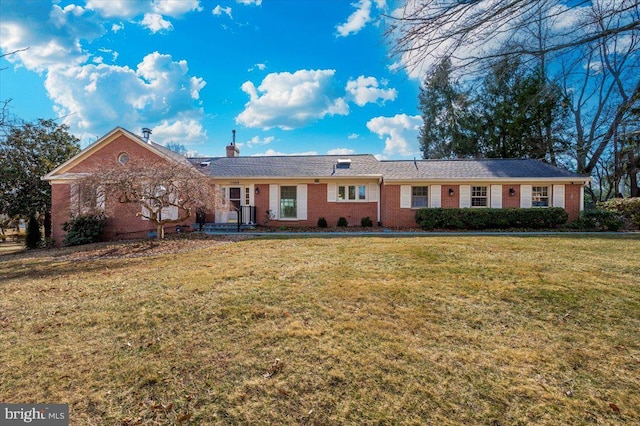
column 344, row 163
column 205, row 163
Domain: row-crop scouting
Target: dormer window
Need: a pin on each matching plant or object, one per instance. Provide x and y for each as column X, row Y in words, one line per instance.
column 123, row 158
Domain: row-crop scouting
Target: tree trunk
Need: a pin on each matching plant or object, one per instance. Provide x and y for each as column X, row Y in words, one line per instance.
column 160, row 231
column 47, row 224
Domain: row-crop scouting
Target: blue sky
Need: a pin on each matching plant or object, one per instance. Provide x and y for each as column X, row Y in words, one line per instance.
column 291, row 76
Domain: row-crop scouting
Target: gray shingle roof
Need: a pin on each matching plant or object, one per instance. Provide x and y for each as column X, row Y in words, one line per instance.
column 473, row 169
column 314, row 166
column 326, row 166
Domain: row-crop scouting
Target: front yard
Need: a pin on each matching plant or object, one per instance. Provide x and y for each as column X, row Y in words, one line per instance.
column 428, row 330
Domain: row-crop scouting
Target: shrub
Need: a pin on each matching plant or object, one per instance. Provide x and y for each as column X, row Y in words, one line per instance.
column 629, row 208
column 342, row 222
column 322, row 222
column 534, row 218
column 84, row 229
column 366, row 222
column 598, row 220
column 34, row 237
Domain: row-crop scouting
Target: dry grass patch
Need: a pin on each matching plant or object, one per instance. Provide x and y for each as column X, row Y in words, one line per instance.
column 482, row 330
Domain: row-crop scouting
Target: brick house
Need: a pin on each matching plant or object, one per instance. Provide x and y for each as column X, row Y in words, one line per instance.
column 297, row 190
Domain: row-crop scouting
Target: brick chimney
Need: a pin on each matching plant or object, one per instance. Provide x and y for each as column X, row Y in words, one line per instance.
column 232, row 149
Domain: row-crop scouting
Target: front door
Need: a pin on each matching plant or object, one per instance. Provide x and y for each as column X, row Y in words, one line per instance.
column 235, row 201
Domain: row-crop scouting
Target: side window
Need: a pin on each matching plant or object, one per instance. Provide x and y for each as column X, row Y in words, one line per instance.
column 540, row 196
column 479, row 196
column 419, row 196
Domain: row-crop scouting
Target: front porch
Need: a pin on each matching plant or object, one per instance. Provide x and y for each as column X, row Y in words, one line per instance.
column 235, row 220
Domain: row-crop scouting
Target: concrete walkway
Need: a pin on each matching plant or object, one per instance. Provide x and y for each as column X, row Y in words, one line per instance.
column 393, row 234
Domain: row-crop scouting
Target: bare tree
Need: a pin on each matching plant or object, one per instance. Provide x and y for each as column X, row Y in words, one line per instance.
column 166, row 192
column 591, row 49
column 423, row 31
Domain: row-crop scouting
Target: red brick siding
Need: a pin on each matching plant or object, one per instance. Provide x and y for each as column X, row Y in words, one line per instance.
column 60, row 210
column 392, row 216
column 510, row 201
column 450, row 201
column 122, row 219
column 318, row 206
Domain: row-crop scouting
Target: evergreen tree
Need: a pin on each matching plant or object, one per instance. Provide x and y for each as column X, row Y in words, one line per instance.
column 444, row 112
column 28, row 152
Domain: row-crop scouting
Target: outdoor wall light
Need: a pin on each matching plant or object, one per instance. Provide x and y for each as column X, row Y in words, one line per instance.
column 257, row 190
column 512, row 192
column 451, row 192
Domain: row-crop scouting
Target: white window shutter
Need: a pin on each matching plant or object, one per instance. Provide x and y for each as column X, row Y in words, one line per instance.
column 496, row 196
column 525, row 196
column 558, row 196
column 435, row 196
column 252, row 196
column 170, row 212
column 465, row 196
column 301, row 202
column 405, row 196
column 332, row 191
column 144, row 213
column 274, row 200
column 373, row 192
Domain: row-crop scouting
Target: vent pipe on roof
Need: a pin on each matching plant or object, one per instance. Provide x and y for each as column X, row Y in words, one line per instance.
column 145, row 134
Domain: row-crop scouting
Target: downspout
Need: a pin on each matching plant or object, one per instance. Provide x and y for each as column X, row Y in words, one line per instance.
column 380, row 180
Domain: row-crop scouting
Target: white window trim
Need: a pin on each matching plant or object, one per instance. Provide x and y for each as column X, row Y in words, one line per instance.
column 301, row 203
column 487, row 196
column 357, row 189
column 428, row 196
column 548, row 197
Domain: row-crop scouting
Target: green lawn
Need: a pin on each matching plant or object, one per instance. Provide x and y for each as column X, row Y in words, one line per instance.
column 436, row 330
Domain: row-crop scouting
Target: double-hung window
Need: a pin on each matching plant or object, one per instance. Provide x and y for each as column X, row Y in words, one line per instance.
column 288, row 202
column 540, row 196
column 352, row 192
column 419, row 196
column 479, row 196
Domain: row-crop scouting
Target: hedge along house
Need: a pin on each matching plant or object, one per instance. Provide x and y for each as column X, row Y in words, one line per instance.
column 298, row 190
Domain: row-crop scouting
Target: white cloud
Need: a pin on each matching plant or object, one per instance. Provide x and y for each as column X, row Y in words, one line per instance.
column 357, row 20
column 160, row 91
column 273, row 153
column 249, row 2
column 341, row 151
column 365, row 90
column 117, row 27
column 176, row 8
column 182, row 131
column 118, row 8
column 257, row 141
column 155, row 23
column 113, row 53
column 353, row 136
column 131, row 8
column 260, row 67
column 290, row 101
column 219, row 10
column 399, row 132
column 52, row 36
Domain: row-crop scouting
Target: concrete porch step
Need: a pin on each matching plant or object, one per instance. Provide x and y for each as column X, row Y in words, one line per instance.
column 223, row 227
